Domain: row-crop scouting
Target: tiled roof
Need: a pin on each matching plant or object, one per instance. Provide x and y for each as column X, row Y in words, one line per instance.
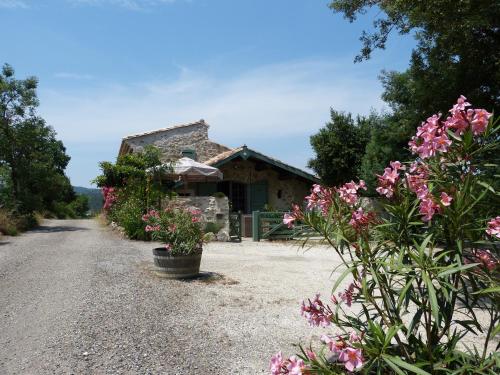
column 229, row 154
column 200, row 122
column 222, row 156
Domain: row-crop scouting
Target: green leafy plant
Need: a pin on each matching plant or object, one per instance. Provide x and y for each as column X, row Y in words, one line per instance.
column 178, row 227
column 423, row 274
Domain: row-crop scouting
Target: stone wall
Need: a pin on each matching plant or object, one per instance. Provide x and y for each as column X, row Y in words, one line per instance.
column 213, row 210
column 173, row 141
column 293, row 190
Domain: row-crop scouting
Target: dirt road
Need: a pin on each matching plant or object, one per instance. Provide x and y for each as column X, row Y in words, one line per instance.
column 75, row 298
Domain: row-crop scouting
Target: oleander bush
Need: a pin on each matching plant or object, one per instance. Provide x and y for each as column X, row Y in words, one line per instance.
column 419, row 291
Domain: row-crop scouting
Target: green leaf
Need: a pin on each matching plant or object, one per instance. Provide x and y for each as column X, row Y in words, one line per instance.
column 341, row 278
column 402, row 293
column 398, row 363
column 452, row 270
column 432, row 296
column 495, row 289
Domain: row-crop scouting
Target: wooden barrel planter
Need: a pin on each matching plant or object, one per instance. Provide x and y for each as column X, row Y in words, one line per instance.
column 178, row 266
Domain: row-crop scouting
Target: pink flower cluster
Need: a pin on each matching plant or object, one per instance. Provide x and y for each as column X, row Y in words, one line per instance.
column 321, row 197
column 360, row 220
column 291, row 366
column 387, row 182
column 349, row 192
column 316, row 312
column 494, row 227
column 417, row 183
column 350, row 356
column 152, row 228
column 151, row 214
column 486, row 258
column 461, row 118
column 109, row 194
column 431, row 138
column 290, row 218
column 348, row 294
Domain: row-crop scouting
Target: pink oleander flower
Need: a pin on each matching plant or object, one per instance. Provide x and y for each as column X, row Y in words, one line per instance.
column 445, row 199
column 109, row 194
column 360, row 220
column 494, row 227
column 347, row 295
column 168, row 247
column 277, row 364
column 295, row 365
column 195, row 219
column 316, row 312
column 354, row 337
column 311, row 355
column 486, row 258
column 152, row 228
column 321, row 197
column 387, row 182
column 352, row 358
column 431, row 137
column 290, row 218
column 335, row 346
column 461, row 104
column 428, row 208
column 480, row 121
column 349, row 192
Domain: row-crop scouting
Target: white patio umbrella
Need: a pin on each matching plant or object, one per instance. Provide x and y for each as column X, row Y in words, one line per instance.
column 190, row 170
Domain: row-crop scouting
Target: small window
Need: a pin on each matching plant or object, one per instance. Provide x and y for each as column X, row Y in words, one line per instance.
column 189, row 153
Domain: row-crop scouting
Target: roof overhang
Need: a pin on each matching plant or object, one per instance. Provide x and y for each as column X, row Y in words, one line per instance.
column 245, row 153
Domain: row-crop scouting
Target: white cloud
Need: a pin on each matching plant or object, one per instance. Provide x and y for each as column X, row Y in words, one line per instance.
column 66, row 75
column 13, row 4
column 273, row 109
column 291, row 99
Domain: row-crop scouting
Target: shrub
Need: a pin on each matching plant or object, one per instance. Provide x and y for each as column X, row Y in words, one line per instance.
column 214, row 228
column 7, row 224
column 178, row 227
column 422, row 274
column 128, row 215
column 11, row 224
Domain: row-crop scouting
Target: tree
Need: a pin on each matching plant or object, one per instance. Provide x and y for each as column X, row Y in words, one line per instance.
column 457, row 52
column 29, row 151
column 339, row 147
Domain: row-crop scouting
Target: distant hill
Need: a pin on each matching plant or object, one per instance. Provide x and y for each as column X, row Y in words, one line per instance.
column 95, row 197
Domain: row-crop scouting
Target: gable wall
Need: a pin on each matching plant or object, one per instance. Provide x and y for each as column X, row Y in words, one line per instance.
column 173, row 141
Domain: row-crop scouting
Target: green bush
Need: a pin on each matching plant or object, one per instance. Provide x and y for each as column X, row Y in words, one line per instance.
column 129, row 216
column 63, row 210
column 11, row 224
column 211, row 227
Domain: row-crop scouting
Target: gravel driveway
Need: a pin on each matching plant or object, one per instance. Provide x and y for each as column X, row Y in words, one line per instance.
column 78, row 299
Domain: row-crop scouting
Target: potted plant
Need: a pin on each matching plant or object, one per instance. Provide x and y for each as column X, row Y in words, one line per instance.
column 179, row 228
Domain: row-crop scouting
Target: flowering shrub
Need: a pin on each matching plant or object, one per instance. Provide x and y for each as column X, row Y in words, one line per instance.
column 109, row 195
column 421, row 270
column 176, row 226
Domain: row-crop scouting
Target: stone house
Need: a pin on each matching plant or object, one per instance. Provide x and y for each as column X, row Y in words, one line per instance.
column 252, row 181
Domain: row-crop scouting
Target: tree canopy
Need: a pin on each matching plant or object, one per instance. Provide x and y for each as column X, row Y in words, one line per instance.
column 457, row 53
column 32, row 159
column 340, row 146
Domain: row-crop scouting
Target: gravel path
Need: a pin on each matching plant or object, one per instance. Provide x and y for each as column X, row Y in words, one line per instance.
column 78, row 299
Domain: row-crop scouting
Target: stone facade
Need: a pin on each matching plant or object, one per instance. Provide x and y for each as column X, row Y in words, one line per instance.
column 174, row 140
column 213, row 210
column 282, row 192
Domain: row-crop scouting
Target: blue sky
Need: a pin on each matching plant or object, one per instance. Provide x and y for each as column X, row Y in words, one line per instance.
column 260, row 72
